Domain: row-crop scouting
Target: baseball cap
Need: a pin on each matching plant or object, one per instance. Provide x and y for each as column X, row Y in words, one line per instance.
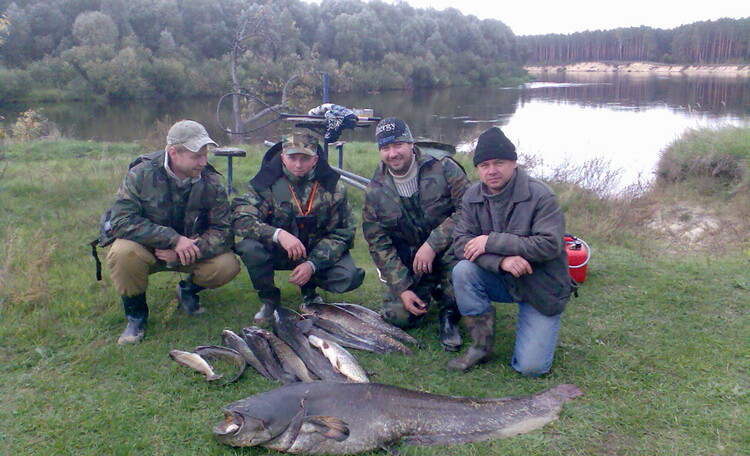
column 299, row 143
column 189, row 134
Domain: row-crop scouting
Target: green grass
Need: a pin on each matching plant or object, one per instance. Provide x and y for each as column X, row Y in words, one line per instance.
column 658, row 342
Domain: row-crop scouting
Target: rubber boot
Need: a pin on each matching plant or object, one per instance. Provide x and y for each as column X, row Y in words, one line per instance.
column 265, row 314
column 310, row 295
column 450, row 337
column 136, row 312
column 482, row 330
column 187, row 295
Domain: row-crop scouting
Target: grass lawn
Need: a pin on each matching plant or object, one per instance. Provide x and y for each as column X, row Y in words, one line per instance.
column 658, row 339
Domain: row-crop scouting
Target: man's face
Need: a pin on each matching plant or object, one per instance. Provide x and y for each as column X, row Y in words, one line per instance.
column 495, row 173
column 397, row 157
column 299, row 164
column 185, row 163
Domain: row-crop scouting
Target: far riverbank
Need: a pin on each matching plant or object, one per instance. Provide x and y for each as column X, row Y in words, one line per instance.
column 641, row 67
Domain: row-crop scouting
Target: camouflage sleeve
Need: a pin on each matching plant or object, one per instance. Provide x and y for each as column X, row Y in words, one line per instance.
column 218, row 238
column 128, row 221
column 442, row 236
column 249, row 215
column 342, row 225
column 397, row 276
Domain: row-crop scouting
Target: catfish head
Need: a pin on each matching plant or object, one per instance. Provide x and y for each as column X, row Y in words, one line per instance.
column 240, row 430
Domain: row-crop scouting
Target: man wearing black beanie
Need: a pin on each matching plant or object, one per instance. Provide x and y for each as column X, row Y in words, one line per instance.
column 411, row 206
column 510, row 240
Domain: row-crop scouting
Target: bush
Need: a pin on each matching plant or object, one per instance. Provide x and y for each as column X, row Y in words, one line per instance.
column 721, row 155
column 33, row 125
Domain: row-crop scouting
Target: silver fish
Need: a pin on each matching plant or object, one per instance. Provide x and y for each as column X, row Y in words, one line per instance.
column 195, row 362
column 289, row 360
column 374, row 318
column 340, row 359
column 226, row 354
column 232, row 340
column 347, row 418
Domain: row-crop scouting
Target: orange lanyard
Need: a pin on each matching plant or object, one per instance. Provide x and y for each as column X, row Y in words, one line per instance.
column 309, row 201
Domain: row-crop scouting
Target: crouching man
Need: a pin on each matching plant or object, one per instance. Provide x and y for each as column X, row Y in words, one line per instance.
column 510, row 239
column 411, row 206
column 171, row 213
column 296, row 216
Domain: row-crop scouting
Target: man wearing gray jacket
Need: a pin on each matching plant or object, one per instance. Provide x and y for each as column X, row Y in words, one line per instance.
column 510, row 240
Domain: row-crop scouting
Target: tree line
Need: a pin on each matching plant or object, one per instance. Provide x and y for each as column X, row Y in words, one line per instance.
column 723, row 41
column 141, row 48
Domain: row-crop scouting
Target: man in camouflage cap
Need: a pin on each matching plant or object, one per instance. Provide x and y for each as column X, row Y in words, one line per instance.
column 411, row 206
column 171, row 213
column 296, row 216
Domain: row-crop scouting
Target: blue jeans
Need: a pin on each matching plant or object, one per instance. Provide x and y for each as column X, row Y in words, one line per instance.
column 536, row 334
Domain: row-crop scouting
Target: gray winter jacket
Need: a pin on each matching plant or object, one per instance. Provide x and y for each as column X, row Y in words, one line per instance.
column 534, row 229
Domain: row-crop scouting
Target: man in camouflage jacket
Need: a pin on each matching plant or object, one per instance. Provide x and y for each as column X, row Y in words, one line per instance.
column 411, row 206
column 170, row 213
column 296, row 216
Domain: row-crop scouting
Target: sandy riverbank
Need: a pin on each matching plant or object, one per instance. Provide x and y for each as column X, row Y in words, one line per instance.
column 642, row 67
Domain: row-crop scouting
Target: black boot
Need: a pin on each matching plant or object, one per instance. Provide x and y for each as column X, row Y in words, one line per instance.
column 482, row 330
column 450, row 337
column 265, row 315
column 310, row 295
column 136, row 311
column 187, row 295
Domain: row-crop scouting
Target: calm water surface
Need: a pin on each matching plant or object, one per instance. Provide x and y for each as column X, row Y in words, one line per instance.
column 562, row 120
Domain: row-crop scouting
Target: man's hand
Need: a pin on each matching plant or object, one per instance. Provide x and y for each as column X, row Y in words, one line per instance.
column 423, row 259
column 301, row 274
column 516, row 265
column 167, row 255
column 187, row 251
column 412, row 303
column 475, row 247
column 295, row 249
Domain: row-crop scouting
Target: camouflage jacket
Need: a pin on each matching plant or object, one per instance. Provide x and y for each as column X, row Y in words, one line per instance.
column 328, row 232
column 150, row 209
column 388, row 230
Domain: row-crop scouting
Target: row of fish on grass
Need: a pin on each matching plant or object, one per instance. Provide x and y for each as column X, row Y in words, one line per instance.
column 302, row 348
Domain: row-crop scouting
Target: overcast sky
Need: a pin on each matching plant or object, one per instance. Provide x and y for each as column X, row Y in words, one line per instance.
column 536, row 17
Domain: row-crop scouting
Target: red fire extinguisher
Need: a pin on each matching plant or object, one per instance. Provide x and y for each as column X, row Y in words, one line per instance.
column 578, row 257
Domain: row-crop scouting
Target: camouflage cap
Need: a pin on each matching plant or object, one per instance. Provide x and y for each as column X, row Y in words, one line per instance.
column 189, row 134
column 299, row 143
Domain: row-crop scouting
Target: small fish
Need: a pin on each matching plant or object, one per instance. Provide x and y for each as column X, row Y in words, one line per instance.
column 285, row 327
column 355, row 325
column 289, row 360
column 330, row 330
column 340, row 359
column 232, row 340
column 374, row 318
column 226, row 354
column 263, row 350
column 195, row 362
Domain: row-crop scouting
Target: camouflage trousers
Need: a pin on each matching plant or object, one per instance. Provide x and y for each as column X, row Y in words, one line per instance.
column 261, row 262
column 130, row 264
column 436, row 286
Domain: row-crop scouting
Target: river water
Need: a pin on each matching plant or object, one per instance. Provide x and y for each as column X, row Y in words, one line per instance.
column 562, row 120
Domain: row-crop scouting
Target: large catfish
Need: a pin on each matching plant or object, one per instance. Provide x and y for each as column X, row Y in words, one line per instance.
column 346, row 418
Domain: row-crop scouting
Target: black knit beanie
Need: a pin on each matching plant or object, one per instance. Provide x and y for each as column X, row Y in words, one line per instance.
column 493, row 144
column 392, row 130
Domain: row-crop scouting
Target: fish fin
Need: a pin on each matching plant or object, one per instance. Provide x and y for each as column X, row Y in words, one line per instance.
column 329, row 427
